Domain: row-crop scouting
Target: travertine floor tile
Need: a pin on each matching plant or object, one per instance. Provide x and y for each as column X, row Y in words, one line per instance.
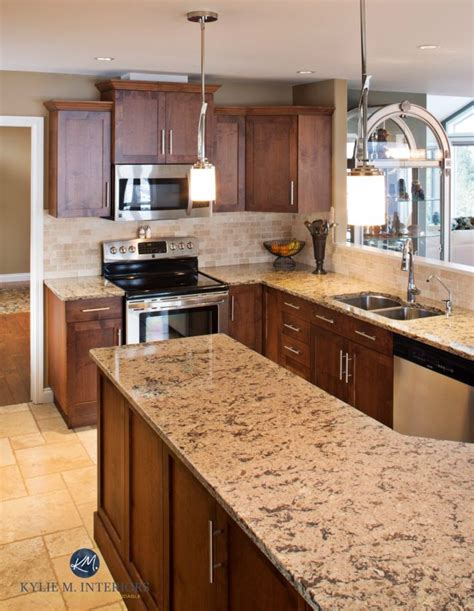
column 87, row 514
column 45, row 410
column 119, row 606
column 54, row 430
column 52, row 458
column 11, row 483
column 32, row 516
column 45, row 483
column 88, row 438
column 6, row 455
column 67, row 541
column 10, row 409
column 82, row 484
column 43, row 601
column 84, row 600
column 27, row 441
column 17, row 423
column 23, row 561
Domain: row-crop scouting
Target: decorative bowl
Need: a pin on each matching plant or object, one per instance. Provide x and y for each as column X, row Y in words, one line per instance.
column 283, row 251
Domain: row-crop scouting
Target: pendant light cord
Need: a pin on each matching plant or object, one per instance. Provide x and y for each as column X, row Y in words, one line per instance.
column 364, row 94
column 202, row 116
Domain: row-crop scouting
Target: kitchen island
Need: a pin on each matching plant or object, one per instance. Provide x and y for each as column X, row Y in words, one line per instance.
column 224, row 477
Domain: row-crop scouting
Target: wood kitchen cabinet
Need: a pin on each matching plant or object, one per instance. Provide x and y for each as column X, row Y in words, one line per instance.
column 245, row 315
column 288, row 159
column 74, row 328
column 79, row 158
column 272, row 323
column 156, row 123
column 158, row 527
column 230, row 160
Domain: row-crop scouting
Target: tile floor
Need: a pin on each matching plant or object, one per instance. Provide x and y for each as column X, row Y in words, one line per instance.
column 48, row 495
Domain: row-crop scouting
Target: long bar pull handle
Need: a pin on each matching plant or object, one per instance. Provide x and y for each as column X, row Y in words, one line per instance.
column 107, row 194
column 291, row 305
column 292, row 193
column 292, row 349
column 163, row 141
column 95, row 309
column 171, row 141
column 371, row 337
column 329, row 320
column 232, row 308
column 348, row 375
column 119, row 337
column 211, row 534
column 292, row 328
column 340, row 365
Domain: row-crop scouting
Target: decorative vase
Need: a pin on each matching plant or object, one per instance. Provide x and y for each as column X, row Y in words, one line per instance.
column 319, row 230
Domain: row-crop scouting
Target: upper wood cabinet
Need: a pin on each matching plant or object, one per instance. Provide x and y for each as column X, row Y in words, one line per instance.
column 230, row 160
column 79, row 158
column 157, row 122
column 288, row 159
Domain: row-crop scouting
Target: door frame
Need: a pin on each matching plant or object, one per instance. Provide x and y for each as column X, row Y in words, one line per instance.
column 39, row 394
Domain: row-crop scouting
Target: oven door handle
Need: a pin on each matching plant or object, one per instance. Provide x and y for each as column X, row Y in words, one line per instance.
column 177, row 303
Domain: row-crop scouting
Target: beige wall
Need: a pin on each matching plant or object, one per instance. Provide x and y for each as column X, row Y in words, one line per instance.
column 15, row 150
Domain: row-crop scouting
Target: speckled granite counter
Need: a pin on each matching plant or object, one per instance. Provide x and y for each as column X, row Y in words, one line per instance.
column 454, row 334
column 355, row 515
column 82, row 287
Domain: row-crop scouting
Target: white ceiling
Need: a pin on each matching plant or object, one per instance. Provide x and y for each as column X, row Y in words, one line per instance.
column 255, row 39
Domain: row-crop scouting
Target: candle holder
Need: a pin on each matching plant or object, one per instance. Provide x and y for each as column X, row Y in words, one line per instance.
column 319, row 230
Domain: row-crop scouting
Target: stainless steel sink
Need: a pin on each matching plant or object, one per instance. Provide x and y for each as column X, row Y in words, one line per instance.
column 408, row 313
column 369, row 301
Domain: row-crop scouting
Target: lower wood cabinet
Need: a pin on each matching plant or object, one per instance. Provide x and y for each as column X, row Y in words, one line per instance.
column 164, row 536
column 74, row 328
column 245, row 315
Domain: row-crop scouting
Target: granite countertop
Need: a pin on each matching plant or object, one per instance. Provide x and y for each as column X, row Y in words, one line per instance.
column 454, row 334
column 355, row 515
column 82, row 287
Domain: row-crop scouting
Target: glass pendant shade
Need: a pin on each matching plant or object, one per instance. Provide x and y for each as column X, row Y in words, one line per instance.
column 366, row 199
column 202, row 183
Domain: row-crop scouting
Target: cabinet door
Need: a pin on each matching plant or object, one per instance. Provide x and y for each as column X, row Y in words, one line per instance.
column 372, row 383
column 139, row 127
column 271, row 163
column 80, row 169
column 182, row 119
column 245, row 315
column 192, row 531
column 230, row 162
column 253, row 582
column 272, row 327
column 330, row 356
column 82, row 372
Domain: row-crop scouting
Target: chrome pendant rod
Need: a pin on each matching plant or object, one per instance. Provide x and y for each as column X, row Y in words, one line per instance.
column 364, row 94
column 202, row 116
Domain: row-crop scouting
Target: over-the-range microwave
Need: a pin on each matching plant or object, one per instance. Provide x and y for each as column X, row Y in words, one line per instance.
column 154, row 192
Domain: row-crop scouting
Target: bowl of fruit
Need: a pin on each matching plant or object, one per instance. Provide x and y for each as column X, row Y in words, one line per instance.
column 284, row 250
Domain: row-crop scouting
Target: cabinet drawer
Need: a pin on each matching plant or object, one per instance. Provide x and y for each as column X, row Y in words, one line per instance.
column 295, row 327
column 295, row 367
column 296, row 306
column 369, row 335
column 328, row 319
column 294, row 349
column 93, row 309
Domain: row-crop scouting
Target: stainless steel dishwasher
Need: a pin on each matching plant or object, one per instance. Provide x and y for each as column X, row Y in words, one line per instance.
column 433, row 392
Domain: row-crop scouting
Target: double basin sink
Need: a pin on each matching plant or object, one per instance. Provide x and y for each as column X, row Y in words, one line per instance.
column 389, row 307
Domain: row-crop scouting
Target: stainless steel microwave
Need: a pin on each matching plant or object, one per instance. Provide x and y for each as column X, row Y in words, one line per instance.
column 154, row 192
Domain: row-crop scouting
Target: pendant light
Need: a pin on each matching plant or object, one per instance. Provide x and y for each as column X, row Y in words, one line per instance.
column 202, row 176
column 365, row 183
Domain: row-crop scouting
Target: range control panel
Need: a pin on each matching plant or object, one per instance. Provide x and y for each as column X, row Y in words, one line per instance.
column 154, row 248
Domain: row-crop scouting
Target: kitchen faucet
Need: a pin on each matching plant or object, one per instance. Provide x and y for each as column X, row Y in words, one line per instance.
column 447, row 302
column 408, row 266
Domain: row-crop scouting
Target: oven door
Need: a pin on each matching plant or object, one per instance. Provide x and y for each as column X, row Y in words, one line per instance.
column 156, row 319
column 153, row 192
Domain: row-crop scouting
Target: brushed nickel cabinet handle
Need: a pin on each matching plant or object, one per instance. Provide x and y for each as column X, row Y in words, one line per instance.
column 171, row 141
column 163, row 141
column 348, row 375
column 212, row 565
column 371, row 337
column 291, row 349
column 107, row 194
column 96, row 309
column 340, row 365
column 291, row 305
column 119, row 337
column 296, row 329
column 292, row 193
column 329, row 320
column 232, row 308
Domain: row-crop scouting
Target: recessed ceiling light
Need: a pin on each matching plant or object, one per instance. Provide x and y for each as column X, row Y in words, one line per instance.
column 104, row 59
column 305, row 72
column 428, row 47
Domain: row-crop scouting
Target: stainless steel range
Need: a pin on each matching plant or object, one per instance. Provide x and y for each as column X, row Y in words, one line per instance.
column 166, row 296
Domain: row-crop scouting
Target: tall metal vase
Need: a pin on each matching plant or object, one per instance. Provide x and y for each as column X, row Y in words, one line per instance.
column 319, row 230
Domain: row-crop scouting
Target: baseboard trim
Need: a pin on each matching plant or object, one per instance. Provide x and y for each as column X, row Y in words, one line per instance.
column 14, row 277
column 46, row 396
